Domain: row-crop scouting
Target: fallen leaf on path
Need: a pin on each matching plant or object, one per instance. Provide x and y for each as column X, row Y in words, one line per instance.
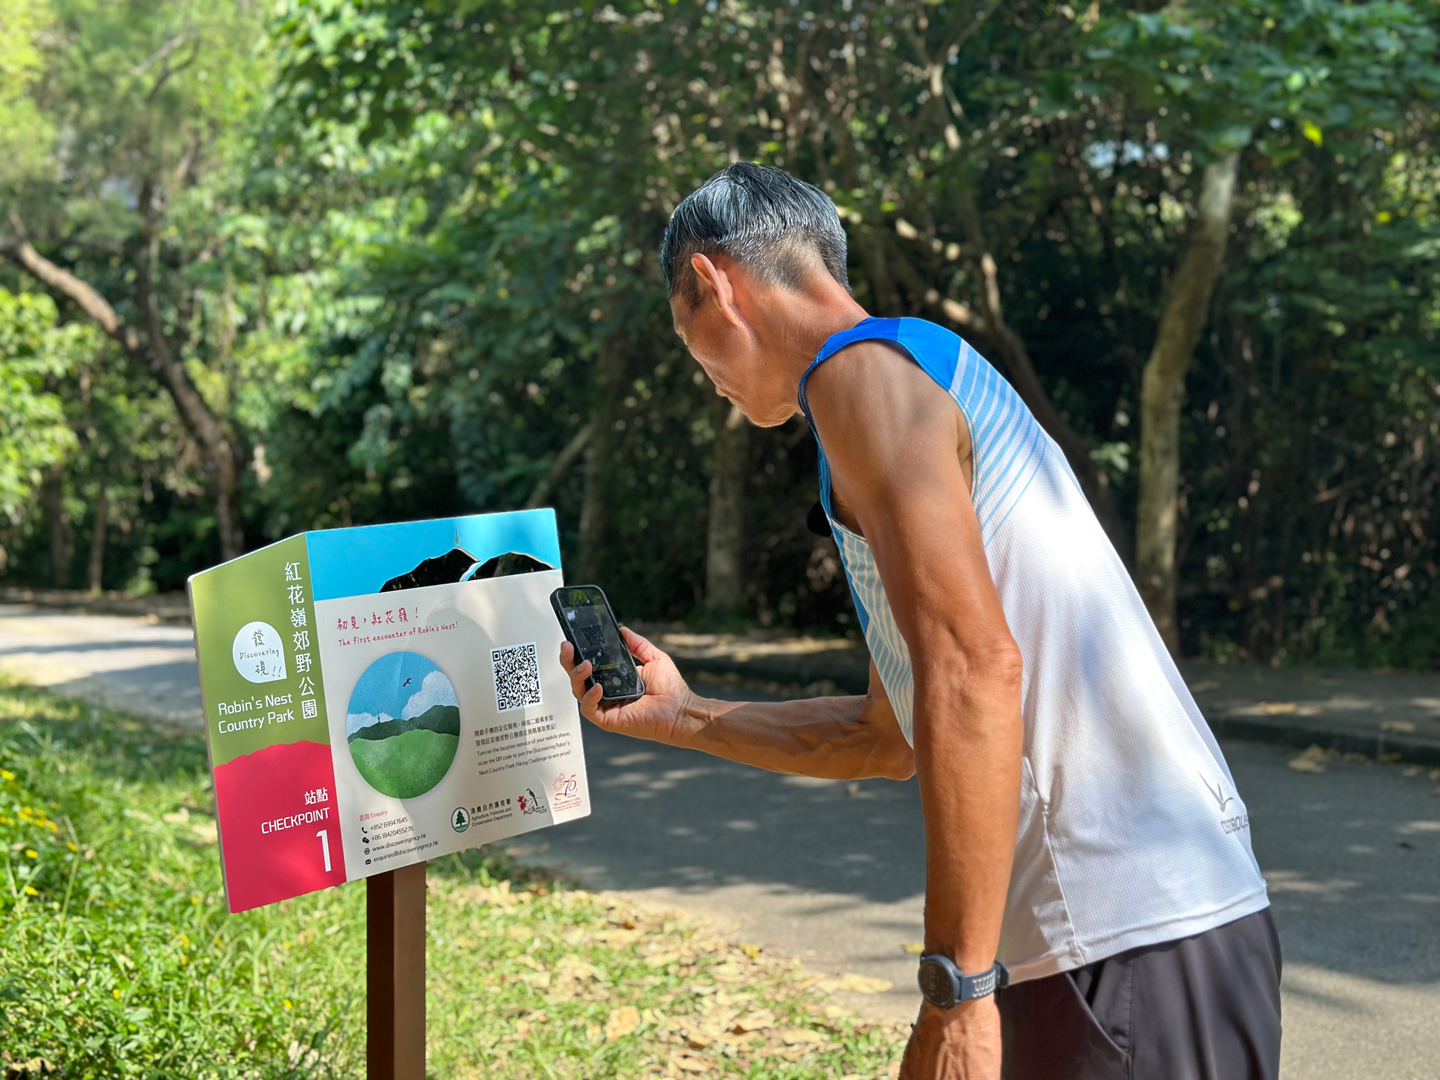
column 1205, row 686
column 797, row 1036
column 752, row 951
column 1402, row 726
column 758, row 1020
column 914, row 948
column 572, row 967
column 621, row 1022
column 1312, row 759
column 1286, row 708
column 858, row 984
column 206, row 832
column 692, row 1064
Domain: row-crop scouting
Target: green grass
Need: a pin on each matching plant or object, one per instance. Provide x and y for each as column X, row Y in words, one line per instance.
column 117, row 958
column 407, row 765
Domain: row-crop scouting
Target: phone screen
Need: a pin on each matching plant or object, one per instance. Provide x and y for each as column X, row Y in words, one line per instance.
column 591, row 627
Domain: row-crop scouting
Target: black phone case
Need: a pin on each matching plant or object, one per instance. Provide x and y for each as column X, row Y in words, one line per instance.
column 565, row 626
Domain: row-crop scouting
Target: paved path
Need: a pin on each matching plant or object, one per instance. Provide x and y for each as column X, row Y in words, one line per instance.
column 832, row 872
column 137, row 664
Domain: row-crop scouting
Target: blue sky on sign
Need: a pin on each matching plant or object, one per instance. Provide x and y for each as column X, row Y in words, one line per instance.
column 399, row 684
column 357, row 561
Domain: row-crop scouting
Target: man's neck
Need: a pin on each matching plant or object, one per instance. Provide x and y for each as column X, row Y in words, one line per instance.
column 799, row 322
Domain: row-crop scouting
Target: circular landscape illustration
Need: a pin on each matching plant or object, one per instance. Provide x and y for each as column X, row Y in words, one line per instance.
column 403, row 725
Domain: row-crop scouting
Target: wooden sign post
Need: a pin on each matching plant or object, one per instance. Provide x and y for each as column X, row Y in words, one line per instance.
column 395, row 976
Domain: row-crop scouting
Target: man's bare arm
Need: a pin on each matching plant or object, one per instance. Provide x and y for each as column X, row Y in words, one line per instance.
column 897, row 445
column 843, row 738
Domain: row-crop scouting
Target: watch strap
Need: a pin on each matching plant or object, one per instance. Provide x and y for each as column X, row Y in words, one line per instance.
column 957, row 986
column 985, row 983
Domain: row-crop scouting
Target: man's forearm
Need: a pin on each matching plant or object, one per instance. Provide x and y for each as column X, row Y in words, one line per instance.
column 832, row 737
column 969, row 738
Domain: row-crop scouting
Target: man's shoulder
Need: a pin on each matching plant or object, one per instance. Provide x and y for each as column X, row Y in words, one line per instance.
column 936, row 350
column 876, row 393
column 867, row 366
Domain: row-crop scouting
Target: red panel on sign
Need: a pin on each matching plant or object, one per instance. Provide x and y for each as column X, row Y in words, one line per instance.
column 279, row 826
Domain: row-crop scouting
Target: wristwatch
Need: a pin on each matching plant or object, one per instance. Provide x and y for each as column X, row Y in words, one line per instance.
column 944, row 985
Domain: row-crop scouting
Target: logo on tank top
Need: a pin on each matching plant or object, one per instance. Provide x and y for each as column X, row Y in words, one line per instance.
column 1229, row 825
column 1217, row 793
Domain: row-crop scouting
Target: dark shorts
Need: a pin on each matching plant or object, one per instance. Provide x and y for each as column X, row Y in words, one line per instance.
column 1201, row 1008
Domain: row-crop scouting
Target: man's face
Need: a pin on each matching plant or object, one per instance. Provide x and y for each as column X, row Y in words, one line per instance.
column 732, row 352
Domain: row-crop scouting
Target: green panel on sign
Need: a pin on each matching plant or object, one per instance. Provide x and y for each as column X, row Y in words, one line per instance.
column 258, row 651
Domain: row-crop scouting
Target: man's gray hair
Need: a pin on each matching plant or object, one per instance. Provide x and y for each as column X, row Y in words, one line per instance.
column 762, row 217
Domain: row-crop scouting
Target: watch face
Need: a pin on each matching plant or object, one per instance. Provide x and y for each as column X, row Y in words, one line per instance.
column 935, row 984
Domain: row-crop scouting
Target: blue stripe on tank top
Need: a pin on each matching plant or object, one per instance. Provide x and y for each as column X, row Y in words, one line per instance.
column 1007, row 442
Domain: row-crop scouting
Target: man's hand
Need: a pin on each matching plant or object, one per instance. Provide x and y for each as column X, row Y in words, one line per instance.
column 962, row 1043
column 658, row 715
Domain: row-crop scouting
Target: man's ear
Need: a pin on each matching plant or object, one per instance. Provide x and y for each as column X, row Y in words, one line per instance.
column 715, row 284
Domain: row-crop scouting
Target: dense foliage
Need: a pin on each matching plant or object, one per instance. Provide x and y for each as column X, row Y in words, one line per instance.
column 410, row 265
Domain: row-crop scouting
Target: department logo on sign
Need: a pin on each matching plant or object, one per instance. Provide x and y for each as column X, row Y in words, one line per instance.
column 258, row 653
column 565, row 792
column 460, row 819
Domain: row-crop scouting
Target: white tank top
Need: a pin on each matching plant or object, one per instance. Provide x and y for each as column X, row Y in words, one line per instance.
column 1131, row 830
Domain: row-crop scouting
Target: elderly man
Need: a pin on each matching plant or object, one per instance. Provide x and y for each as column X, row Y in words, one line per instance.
column 1092, row 905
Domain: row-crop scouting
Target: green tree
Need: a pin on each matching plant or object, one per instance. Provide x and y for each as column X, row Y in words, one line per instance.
column 35, row 437
column 26, row 135
column 148, row 98
column 1219, row 78
column 1030, row 173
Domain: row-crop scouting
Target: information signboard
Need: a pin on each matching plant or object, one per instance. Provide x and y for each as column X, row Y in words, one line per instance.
column 378, row 696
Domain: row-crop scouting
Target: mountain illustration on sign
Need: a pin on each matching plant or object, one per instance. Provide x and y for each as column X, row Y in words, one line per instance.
column 403, row 737
column 457, row 564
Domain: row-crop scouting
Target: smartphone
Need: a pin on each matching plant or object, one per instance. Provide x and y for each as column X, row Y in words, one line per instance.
column 590, row 626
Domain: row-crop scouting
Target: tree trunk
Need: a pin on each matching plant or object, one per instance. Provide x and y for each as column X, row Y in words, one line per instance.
column 1162, row 391
column 872, row 245
column 594, row 524
column 96, row 568
column 725, row 543
column 592, row 518
column 62, row 538
column 153, row 353
column 561, row 465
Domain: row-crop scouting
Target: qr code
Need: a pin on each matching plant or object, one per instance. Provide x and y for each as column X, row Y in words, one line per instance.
column 517, row 676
